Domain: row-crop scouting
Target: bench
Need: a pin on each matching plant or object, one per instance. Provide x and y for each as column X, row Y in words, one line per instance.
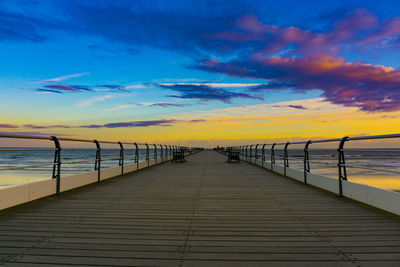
column 178, row 155
column 233, row 155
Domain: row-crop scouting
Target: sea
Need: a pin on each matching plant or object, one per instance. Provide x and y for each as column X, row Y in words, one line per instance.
column 375, row 167
column 9, row 159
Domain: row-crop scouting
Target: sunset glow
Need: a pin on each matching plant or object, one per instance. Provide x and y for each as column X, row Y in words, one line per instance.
column 199, row 74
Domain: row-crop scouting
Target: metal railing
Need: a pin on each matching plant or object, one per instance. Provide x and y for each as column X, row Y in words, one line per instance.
column 248, row 152
column 158, row 151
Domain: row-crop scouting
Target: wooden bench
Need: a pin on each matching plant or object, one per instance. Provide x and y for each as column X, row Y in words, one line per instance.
column 178, row 155
column 233, row 155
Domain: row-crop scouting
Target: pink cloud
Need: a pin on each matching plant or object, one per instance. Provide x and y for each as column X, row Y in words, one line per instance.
column 369, row 87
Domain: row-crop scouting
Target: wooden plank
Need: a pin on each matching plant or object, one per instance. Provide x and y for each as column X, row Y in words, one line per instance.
column 200, row 213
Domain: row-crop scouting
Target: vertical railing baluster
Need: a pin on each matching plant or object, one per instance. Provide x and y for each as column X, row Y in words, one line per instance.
column 256, row 154
column 306, row 160
column 162, row 153
column 285, row 158
column 263, row 155
column 97, row 165
column 342, row 165
column 273, row 156
column 121, row 157
column 57, row 164
column 155, row 152
column 147, row 155
column 137, row 156
column 251, row 152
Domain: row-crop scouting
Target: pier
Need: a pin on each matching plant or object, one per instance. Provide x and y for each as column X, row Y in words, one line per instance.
column 203, row 212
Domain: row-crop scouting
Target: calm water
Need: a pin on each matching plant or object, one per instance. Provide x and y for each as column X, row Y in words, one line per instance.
column 21, row 158
column 322, row 161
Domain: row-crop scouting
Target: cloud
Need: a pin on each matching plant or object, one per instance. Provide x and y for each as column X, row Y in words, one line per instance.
column 33, row 126
column 205, row 93
column 162, row 104
column 371, row 88
column 91, row 101
column 249, row 43
column 217, row 85
column 6, row 125
column 65, row 77
column 33, row 133
column 289, row 106
column 148, row 123
column 20, row 27
column 169, row 105
column 64, row 88
column 48, row 91
column 132, row 124
column 124, row 124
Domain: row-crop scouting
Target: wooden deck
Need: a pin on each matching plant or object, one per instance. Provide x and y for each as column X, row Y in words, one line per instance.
column 204, row 212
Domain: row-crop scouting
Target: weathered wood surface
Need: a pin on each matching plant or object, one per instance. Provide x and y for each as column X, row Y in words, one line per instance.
column 204, row 212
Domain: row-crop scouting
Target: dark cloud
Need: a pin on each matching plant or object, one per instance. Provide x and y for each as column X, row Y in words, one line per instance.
column 131, row 124
column 205, row 93
column 169, row 105
column 234, row 29
column 33, row 126
column 289, row 106
column 370, row 88
column 19, row 27
column 6, row 125
column 32, row 133
column 63, row 88
column 49, row 91
column 125, row 124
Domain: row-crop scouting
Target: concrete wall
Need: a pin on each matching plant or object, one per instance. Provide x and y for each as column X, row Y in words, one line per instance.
column 373, row 196
column 295, row 174
column 13, row 196
column 376, row 197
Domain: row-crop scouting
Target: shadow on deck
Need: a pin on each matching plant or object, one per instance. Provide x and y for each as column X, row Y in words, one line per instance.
column 200, row 213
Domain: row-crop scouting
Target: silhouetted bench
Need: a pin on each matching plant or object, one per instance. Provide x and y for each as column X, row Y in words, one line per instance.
column 178, row 155
column 233, row 155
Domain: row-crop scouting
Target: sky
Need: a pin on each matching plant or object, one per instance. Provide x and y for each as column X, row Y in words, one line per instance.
column 199, row 72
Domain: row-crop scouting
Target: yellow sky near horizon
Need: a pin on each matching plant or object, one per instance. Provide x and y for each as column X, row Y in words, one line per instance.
column 255, row 123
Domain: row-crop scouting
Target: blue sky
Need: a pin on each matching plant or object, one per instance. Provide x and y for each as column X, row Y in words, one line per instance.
column 82, row 63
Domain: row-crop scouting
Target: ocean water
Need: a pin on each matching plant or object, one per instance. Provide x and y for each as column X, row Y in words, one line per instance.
column 322, row 161
column 24, row 158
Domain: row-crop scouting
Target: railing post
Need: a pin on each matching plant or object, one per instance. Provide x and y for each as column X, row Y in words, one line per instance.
column 57, row 164
column 247, row 152
column 342, row 165
column 147, row 155
column 170, row 150
column 285, row 158
column 273, row 156
column 155, row 152
column 306, row 160
column 121, row 157
column 137, row 156
column 251, row 152
column 162, row 153
column 97, row 165
column 256, row 154
column 263, row 156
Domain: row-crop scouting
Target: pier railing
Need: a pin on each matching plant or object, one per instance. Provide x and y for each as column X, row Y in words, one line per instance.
column 129, row 156
column 277, row 158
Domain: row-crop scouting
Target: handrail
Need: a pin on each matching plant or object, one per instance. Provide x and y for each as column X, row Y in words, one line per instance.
column 57, row 163
column 340, row 162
